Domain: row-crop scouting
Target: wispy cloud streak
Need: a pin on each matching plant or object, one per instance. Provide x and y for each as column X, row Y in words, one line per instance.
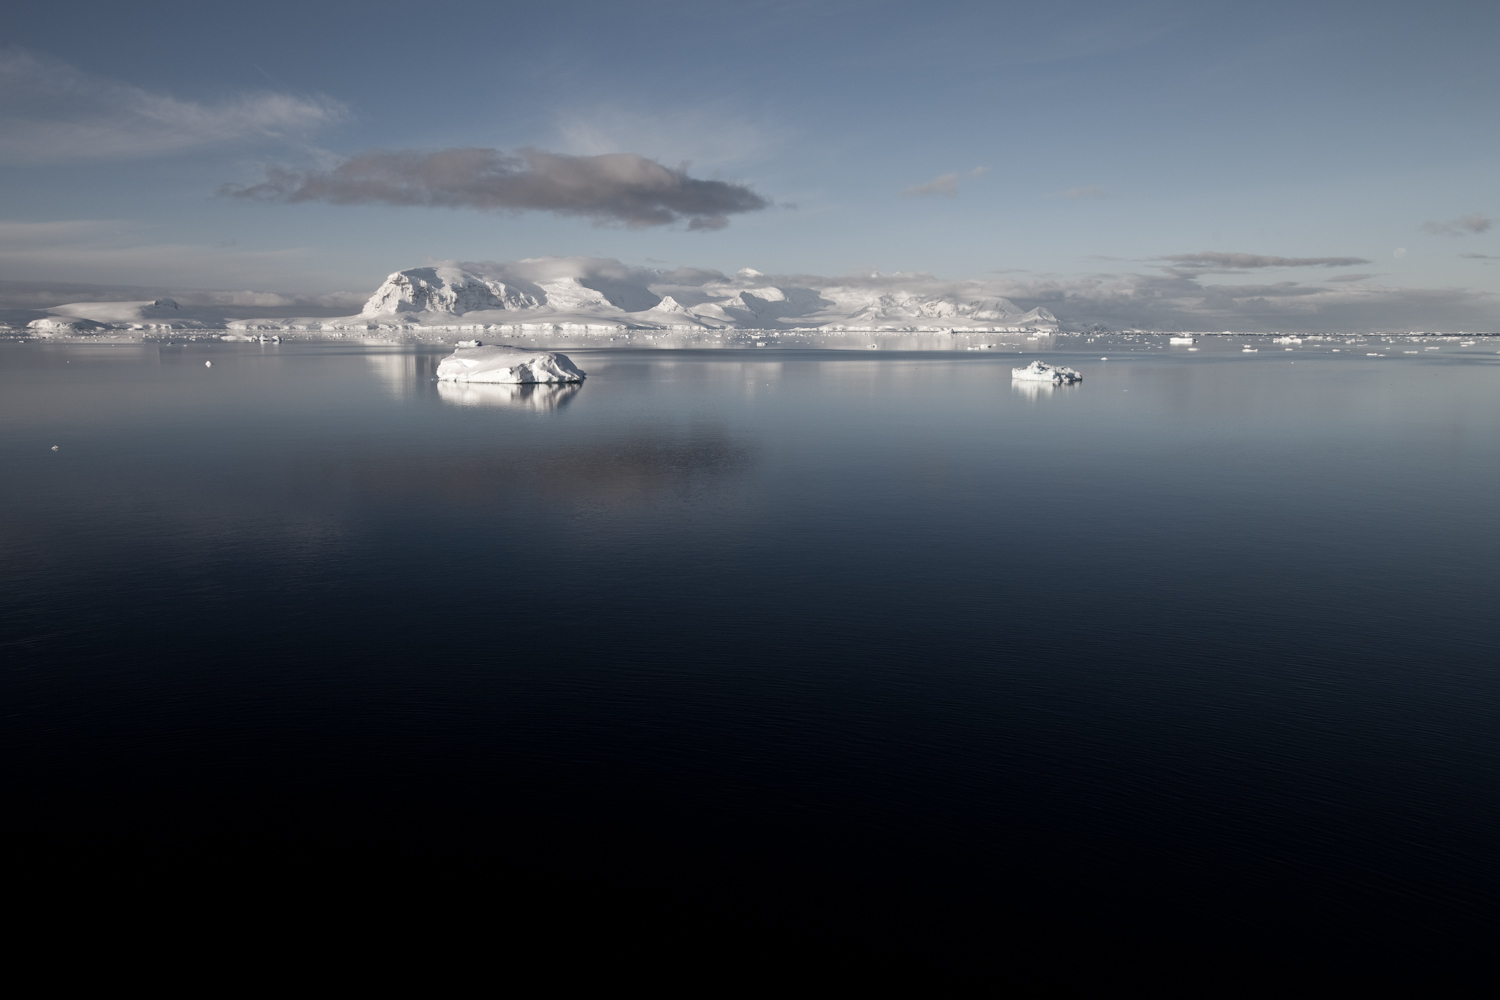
column 944, row 184
column 1464, row 225
column 52, row 111
column 1210, row 259
column 1085, row 193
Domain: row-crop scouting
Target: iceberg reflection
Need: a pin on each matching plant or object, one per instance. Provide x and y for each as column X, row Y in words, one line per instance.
column 1033, row 389
column 526, row 395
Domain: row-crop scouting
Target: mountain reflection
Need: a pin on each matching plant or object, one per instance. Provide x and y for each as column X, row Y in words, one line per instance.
column 530, row 395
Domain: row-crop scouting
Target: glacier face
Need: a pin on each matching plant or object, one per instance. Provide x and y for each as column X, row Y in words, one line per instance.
column 589, row 292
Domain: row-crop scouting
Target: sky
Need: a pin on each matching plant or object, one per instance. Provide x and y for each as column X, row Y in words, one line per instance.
column 1298, row 165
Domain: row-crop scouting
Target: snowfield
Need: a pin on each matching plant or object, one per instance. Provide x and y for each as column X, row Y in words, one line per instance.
column 507, row 365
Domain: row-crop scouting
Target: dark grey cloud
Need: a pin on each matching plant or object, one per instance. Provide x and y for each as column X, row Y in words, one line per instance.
column 1246, row 261
column 1480, row 256
column 1464, row 225
column 1342, row 278
column 614, row 188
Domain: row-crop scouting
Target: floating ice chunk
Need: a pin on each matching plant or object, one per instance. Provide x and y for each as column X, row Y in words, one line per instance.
column 1040, row 371
column 54, row 447
column 500, row 363
column 470, row 343
column 1181, row 340
column 208, row 364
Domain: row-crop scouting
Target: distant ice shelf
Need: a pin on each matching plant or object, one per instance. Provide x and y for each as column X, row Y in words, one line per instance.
column 500, row 363
column 1040, row 371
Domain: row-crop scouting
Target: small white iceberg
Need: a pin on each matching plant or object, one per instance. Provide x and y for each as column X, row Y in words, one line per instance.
column 499, row 363
column 1040, row 371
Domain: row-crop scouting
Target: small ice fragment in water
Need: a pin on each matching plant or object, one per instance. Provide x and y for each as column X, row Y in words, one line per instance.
column 208, row 364
column 470, row 343
column 1040, row 371
column 54, row 447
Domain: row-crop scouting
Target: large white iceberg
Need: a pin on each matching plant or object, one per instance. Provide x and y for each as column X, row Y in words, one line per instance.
column 1040, row 371
column 500, row 363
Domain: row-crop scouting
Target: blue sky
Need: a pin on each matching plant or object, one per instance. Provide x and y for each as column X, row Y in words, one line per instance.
column 1058, row 147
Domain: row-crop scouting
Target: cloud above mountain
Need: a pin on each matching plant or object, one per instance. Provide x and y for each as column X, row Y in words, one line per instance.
column 51, row 111
column 1464, row 225
column 608, row 189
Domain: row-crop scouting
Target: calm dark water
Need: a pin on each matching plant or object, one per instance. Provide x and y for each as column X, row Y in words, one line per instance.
column 1210, row 640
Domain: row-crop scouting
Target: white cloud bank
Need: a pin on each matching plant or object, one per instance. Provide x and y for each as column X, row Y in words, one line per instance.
column 52, row 111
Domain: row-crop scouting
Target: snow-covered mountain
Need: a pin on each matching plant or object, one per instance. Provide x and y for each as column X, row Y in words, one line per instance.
column 447, row 290
column 586, row 294
column 576, row 291
column 156, row 314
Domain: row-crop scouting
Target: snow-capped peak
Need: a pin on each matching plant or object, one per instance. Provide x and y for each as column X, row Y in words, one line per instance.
column 445, row 289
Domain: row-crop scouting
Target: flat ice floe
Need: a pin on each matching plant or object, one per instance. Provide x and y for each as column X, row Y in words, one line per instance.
column 500, row 363
column 1040, row 371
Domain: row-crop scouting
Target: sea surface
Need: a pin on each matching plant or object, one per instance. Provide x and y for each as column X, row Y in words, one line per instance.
column 1209, row 642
